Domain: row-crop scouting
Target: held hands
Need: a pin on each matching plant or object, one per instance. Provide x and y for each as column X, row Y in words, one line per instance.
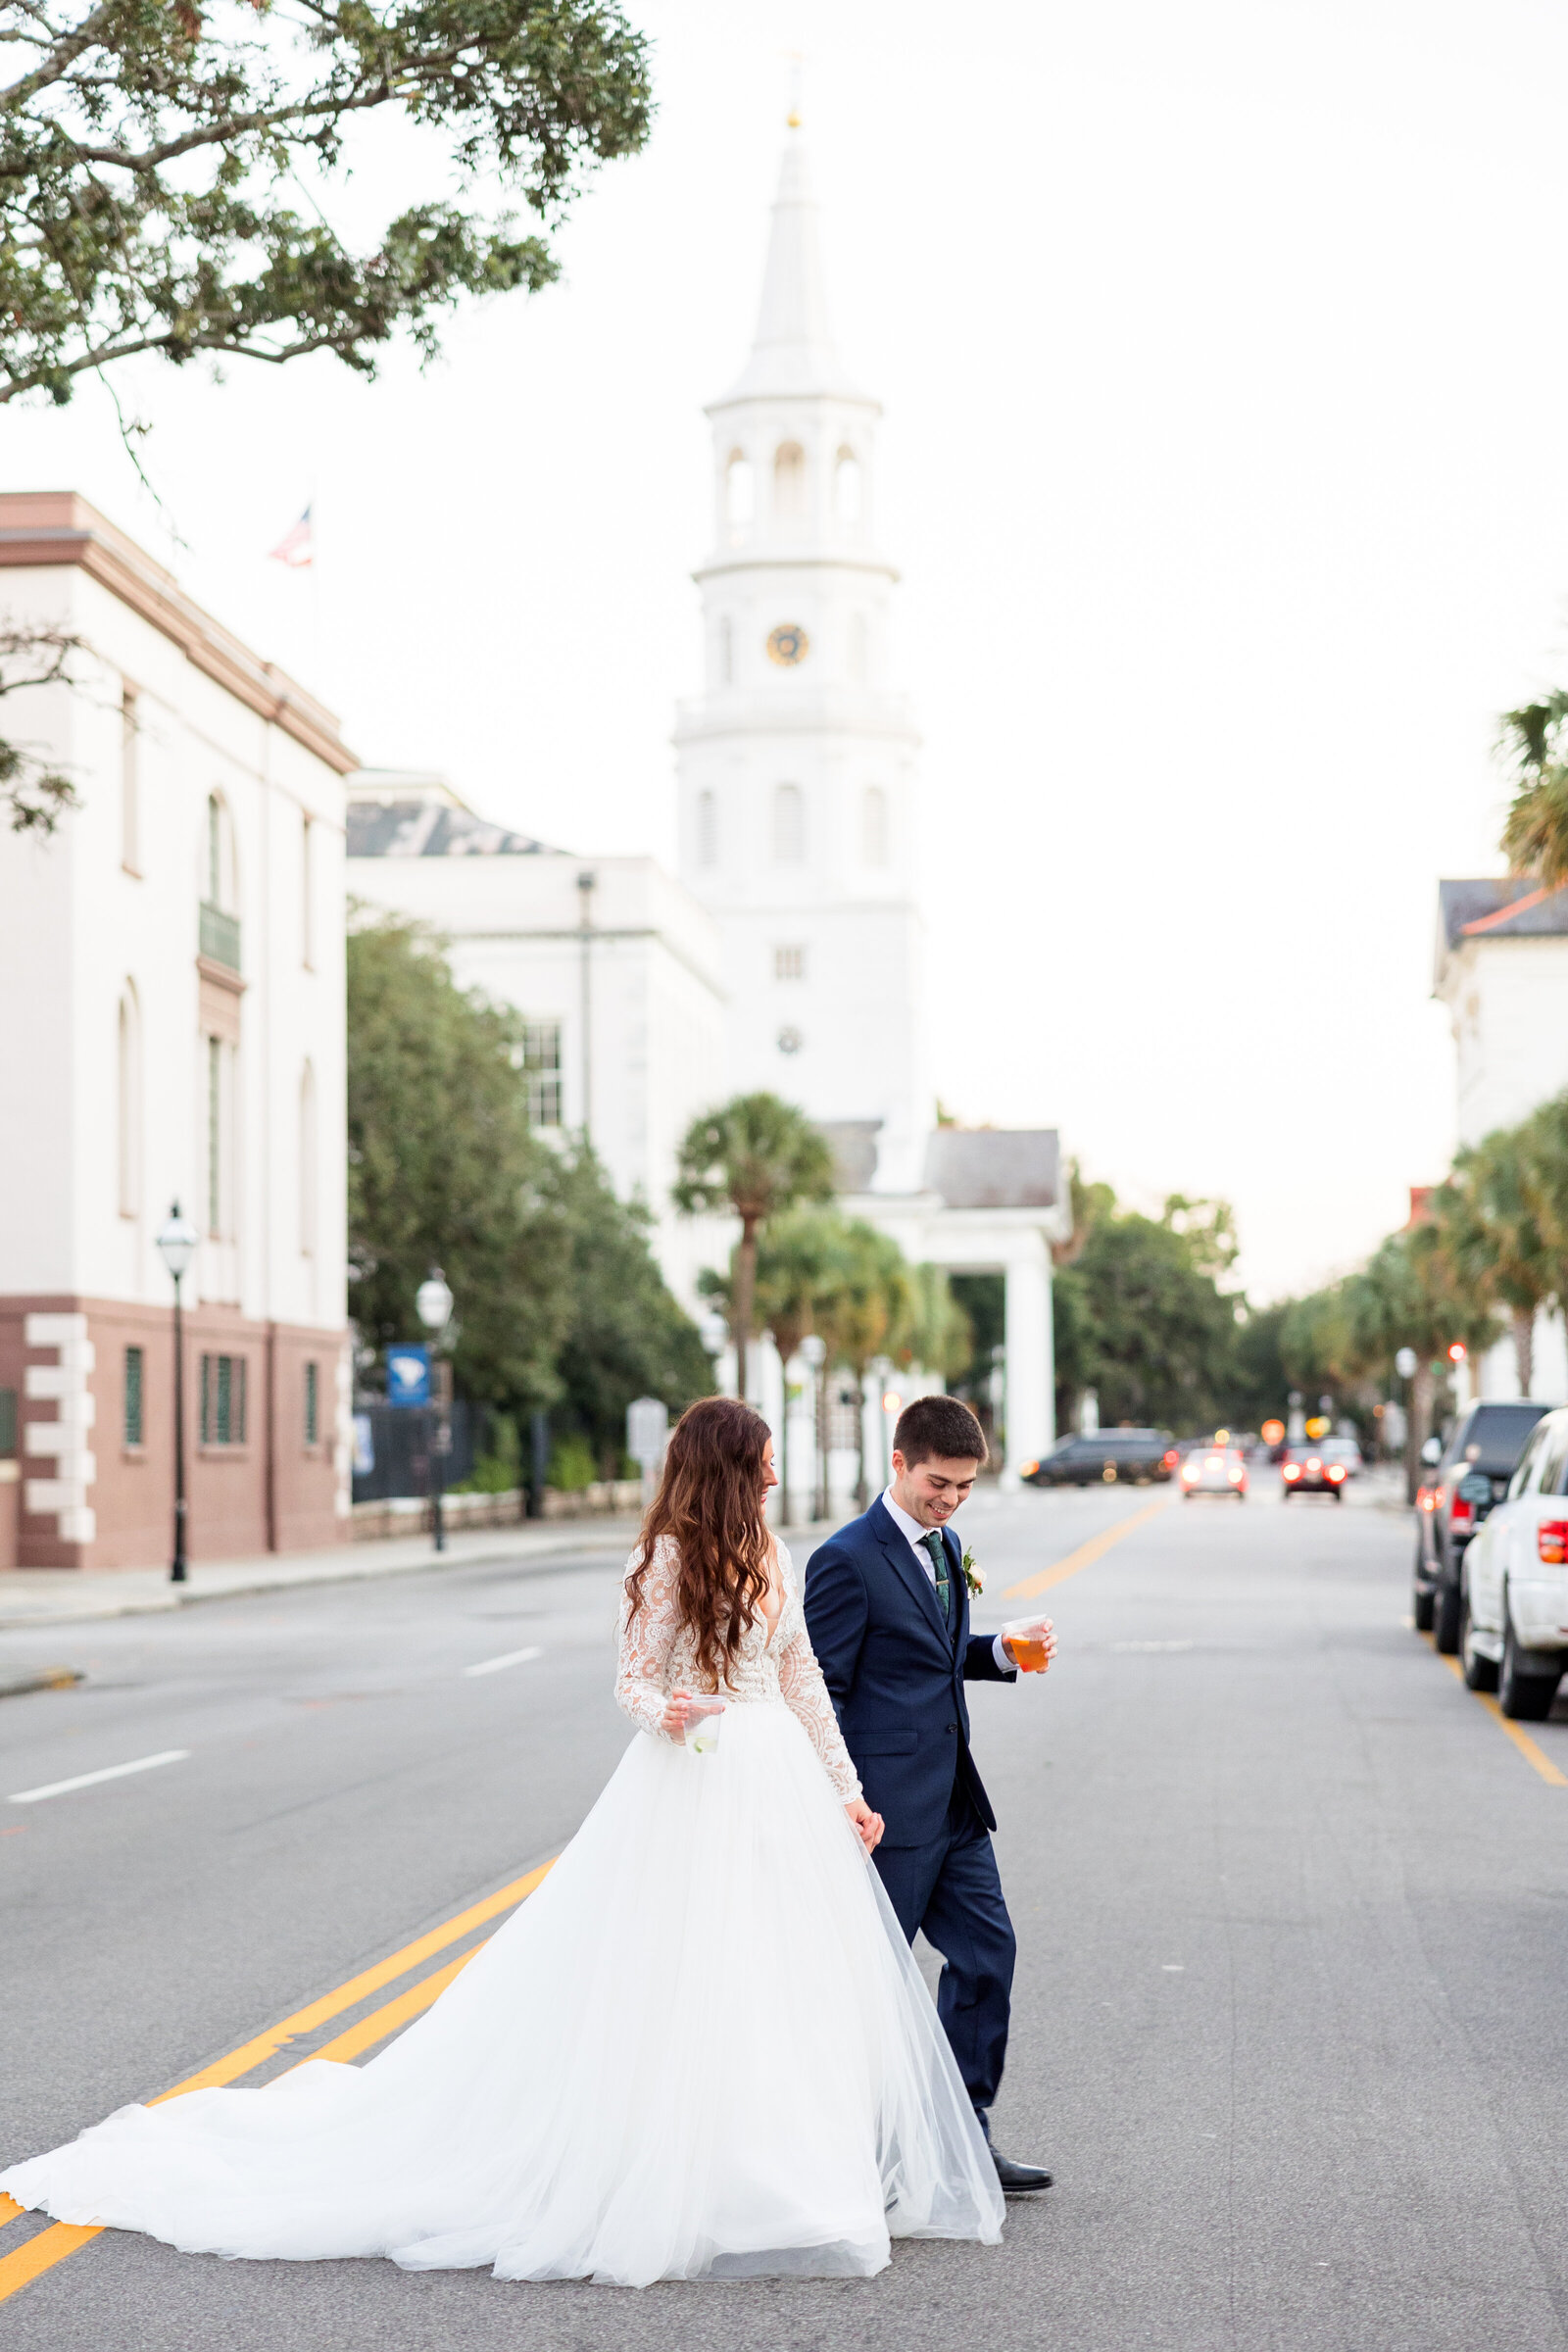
column 869, row 1826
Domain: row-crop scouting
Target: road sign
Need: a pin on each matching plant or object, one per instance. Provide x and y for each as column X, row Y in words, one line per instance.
column 408, row 1374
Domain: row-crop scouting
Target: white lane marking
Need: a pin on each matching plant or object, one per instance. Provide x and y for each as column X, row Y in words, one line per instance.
column 514, row 1657
column 90, row 1780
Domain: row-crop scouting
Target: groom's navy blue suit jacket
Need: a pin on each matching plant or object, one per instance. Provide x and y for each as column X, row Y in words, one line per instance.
column 895, row 1672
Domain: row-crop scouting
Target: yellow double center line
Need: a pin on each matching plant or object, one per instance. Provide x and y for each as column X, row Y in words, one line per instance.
column 52, row 2245
column 1086, row 1554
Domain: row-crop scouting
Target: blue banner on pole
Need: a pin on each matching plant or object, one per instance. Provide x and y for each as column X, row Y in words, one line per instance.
column 408, row 1374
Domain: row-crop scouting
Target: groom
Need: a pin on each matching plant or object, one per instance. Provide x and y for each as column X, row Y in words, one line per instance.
column 887, row 1608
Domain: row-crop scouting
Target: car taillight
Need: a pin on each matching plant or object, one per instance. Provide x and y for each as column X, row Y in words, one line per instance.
column 1551, row 1542
column 1425, row 1499
column 1292, row 1469
column 1462, row 1511
column 1336, row 1470
column 1234, row 1475
column 1028, row 1469
column 1171, row 1459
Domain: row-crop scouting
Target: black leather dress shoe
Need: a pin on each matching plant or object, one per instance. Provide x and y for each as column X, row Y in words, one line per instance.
column 1015, row 2179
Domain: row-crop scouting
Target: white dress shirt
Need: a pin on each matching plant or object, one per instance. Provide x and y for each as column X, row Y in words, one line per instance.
column 915, row 1536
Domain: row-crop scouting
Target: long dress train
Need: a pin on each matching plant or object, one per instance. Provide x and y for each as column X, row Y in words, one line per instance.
column 700, row 2049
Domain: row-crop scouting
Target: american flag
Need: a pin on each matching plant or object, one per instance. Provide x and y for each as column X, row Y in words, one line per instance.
column 294, row 548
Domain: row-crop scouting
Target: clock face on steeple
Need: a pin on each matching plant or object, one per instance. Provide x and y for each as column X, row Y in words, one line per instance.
column 788, row 644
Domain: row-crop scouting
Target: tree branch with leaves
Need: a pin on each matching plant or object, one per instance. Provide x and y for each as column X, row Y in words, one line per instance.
column 163, row 166
column 33, row 792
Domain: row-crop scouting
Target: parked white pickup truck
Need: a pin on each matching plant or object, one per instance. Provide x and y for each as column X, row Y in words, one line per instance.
column 1513, row 1608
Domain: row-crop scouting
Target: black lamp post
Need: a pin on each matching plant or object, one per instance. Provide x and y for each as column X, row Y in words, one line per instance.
column 433, row 1300
column 177, row 1247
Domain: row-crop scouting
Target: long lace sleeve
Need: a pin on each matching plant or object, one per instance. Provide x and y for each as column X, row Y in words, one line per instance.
column 642, row 1662
column 800, row 1679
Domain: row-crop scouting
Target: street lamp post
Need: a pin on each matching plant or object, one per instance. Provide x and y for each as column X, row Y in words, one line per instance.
column 433, row 1300
column 177, row 1247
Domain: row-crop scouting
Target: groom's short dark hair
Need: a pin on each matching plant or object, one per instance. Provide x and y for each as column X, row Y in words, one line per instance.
column 940, row 1429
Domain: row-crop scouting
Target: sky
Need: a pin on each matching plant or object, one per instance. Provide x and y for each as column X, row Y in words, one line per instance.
column 1224, row 461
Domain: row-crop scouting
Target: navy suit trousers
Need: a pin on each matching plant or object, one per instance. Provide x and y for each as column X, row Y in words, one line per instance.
column 949, row 1888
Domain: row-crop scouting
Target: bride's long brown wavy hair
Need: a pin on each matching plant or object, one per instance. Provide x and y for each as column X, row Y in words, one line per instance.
column 709, row 1503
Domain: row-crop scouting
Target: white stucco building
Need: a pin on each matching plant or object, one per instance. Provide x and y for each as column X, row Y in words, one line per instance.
column 1502, row 968
column 799, row 817
column 171, row 972
column 614, row 967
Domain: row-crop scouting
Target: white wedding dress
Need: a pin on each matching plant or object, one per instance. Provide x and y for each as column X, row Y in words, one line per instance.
column 700, row 2049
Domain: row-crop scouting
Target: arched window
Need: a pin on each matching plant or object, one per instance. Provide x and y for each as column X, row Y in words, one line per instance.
column 874, row 825
column 707, row 829
column 789, row 825
column 128, row 1104
column 789, row 483
column 308, row 1140
column 216, row 861
column 860, row 649
column 849, row 489
column 725, row 648
column 740, row 494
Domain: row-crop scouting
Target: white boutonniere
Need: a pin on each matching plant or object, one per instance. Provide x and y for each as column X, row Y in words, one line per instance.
column 973, row 1575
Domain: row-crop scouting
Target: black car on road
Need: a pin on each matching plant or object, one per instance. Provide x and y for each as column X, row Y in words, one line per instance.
column 1472, row 1474
column 1105, row 1457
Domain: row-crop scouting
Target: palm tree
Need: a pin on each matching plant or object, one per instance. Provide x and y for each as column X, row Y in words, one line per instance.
column 795, row 1256
column 1488, row 1217
column 1535, row 833
column 865, row 1306
column 1543, row 1147
column 754, row 1156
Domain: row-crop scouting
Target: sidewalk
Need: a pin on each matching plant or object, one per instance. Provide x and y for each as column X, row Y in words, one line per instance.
column 68, row 1596
column 65, row 1595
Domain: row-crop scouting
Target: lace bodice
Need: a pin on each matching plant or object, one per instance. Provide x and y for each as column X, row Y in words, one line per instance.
column 657, row 1656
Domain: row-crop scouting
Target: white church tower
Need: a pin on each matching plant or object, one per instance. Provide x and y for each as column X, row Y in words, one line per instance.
column 797, row 763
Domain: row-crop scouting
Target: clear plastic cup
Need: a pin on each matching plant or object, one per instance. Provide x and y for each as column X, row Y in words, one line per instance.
column 702, row 1724
column 1027, row 1647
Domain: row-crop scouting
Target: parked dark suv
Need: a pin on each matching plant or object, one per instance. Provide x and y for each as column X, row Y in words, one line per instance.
column 1108, row 1457
column 1473, row 1472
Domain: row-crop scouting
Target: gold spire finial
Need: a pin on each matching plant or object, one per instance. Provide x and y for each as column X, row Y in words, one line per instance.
column 797, row 60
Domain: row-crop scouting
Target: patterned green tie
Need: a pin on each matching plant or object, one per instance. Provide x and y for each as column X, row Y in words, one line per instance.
column 939, row 1561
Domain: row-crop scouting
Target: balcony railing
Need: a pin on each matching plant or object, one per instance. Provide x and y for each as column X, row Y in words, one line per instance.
column 220, row 936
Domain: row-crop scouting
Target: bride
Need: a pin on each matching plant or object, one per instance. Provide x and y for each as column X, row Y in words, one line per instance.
column 700, row 2050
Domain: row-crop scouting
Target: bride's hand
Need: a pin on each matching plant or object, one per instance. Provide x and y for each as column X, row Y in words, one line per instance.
column 677, row 1714
column 869, row 1826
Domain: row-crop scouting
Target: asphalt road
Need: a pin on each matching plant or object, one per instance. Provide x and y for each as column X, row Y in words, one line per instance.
column 1291, row 2018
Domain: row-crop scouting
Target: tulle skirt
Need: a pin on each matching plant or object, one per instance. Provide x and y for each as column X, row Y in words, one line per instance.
column 700, row 2049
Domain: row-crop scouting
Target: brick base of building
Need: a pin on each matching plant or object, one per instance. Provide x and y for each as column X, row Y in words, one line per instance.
column 93, row 1478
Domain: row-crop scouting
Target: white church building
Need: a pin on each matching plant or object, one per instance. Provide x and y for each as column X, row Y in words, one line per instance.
column 788, row 952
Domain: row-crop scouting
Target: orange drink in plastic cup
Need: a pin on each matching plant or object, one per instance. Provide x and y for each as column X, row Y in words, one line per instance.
column 1025, row 1638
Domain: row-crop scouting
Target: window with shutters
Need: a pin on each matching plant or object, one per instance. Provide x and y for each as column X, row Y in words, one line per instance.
column 132, row 1416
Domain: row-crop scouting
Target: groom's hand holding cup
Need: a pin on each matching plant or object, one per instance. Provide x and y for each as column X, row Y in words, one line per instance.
column 1030, row 1642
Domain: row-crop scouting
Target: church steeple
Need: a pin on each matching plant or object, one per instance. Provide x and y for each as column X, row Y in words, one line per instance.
column 793, row 354
column 796, row 761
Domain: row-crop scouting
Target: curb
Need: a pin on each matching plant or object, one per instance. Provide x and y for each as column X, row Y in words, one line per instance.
column 13, row 1684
